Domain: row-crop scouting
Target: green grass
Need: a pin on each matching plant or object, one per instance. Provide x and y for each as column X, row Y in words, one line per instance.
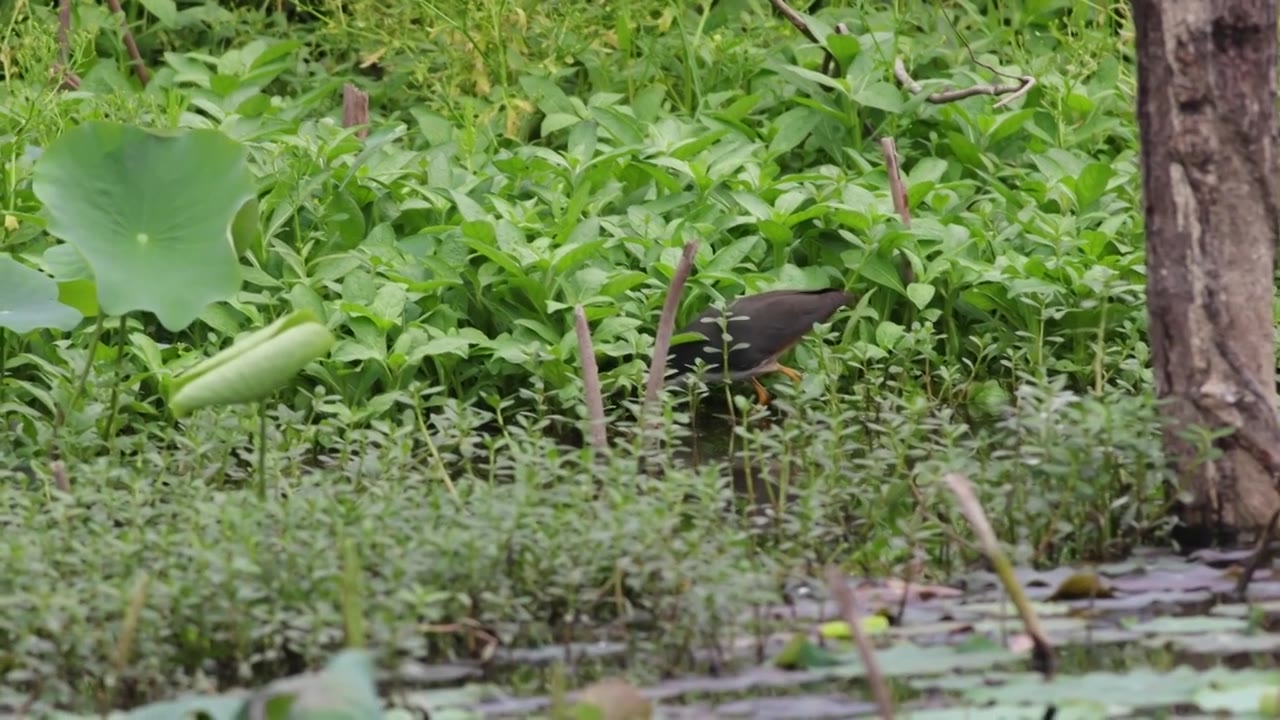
column 525, row 157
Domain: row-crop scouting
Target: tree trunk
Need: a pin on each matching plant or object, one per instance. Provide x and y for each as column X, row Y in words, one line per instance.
column 1207, row 116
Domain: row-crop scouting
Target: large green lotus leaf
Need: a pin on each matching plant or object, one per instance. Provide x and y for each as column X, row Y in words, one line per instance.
column 151, row 213
column 29, row 299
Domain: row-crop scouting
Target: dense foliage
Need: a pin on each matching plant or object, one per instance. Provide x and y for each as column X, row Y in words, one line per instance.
column 523, row 158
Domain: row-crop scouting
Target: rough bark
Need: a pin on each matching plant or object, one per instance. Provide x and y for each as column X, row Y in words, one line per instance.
column 1207, row 115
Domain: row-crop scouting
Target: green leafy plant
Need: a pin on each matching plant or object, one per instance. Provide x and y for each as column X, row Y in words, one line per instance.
column 398, row 308
column 252, row 368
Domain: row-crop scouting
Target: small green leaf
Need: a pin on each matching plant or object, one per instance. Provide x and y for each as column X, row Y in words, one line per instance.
column 468, row 208
column 791, row 128
column 801, row 653
column 1092, row 183
column 166, row 11
column 888, row 333
column 879, row 269
column 844, row 47
column 728, row 258
column 929, row 169
column 1010, row 123
column 447, row 344
column 881, row 96
column 547, row 95
column 920, row 294
column 558, row 121
column 582, row 141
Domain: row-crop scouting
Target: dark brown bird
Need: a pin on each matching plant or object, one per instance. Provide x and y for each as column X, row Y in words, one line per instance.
column 754, row 331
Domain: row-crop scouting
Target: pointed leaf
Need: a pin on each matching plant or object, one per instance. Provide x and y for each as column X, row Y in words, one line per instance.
column 921, row 294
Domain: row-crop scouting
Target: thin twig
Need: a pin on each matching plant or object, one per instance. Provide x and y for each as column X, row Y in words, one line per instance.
column 974, row 56
column 64, row 32
column 794, row 18
column 909, row 576
column 667, row 323
column 129, row 628
column 898, row 190
column 139, row 67
column 1043, row 656
column 1261, row 553
column 60, row 480
column 590, row 380
column 848, row 603
column 1026, row 82
column 62, row 68
column 896, row 187
column 830, row 66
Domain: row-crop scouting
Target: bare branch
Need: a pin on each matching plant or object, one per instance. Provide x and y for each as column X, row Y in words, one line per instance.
column 591, row 380
column 794, row 18
column 60, row 480
column 667, row 323
column 1043, row 656
column 1026, row 82
column 898, row 190
column 972, row 55
column 1261, row 553
column 67, row 80
column 355, row 109
column 830, row 66
column 64, row 31
column 139, row 67
column 849, row 613
column 896, row 187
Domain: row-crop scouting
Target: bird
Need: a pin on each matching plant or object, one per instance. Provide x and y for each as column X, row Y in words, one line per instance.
column 754, row 331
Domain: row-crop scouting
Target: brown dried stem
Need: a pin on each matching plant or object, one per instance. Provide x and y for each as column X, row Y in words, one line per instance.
column 62, row 68
column 1261, row 554
column 590, row 380
column 830, row 66
column 139, row 67
column 848, row 603
column 60, row 480
column 898, row 190
column 1043, row 656
column 896, row 187
column 355, row 109
column 64, row 32
column 1026, row 82
column 667, row 323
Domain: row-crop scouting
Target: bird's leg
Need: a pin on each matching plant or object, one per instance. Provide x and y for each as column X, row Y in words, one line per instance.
column 795, row 376
column 762, row 395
